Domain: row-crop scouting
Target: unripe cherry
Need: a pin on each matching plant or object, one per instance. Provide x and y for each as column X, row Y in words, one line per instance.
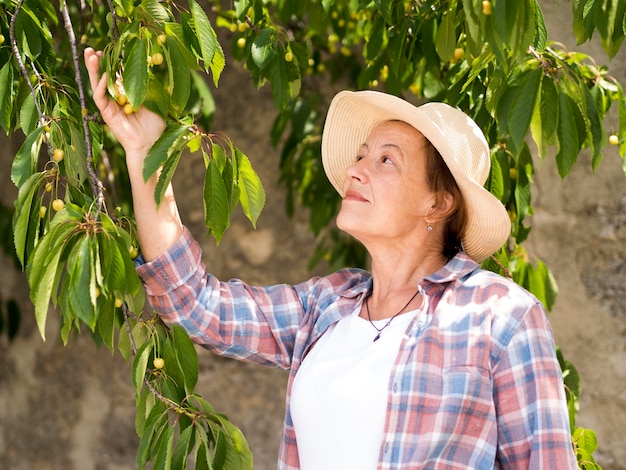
column 58, row 155
column 58, row 205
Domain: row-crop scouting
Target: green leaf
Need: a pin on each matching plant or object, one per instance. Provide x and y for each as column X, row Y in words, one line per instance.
column 597, row 133
column 210, row 49
column 495, row 184
column 6, row 96
column 114, row 277
column 165, row 445
column 182, row 449
column 179, row 81
column 543, row 285
column 162, row 149
column 386, row 9
column 522, row 107
column 82, row 283
column 203, row 102
column 586, row 440
column 522, row 187
column 567, row 134
column 156, row 423
column 541, row 31
column 279, row 82
column 187, row 358
column 135, row 73
column 43, row 269
column 22, row 215
column 252, row 196
column 578, row 24
column 230, row 177
column 376, row 38
column 108, row 322
column 139, row 334
column 40, row 294
column 202, row 453
column 28, row 33
column 263, row 49
column 609, row 21
column 25, row 162
column 237, row 455
column 140, row 364
column 216, row 211
column 445, row 39
column 166, row 175
column 545, row 118
column 155, row 10
column 156, row 97
column 145, row 402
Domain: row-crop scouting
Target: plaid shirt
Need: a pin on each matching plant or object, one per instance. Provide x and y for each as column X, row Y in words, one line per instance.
column 476, row 384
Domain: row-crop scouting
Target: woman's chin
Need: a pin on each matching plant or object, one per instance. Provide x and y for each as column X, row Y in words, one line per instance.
column 351, row 224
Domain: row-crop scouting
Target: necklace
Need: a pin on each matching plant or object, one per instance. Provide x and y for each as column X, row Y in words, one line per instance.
column 380, row 330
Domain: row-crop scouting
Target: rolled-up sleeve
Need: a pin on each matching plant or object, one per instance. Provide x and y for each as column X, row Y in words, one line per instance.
column 256, row 324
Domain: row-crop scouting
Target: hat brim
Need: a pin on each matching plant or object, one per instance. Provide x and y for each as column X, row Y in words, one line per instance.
column 462, row 145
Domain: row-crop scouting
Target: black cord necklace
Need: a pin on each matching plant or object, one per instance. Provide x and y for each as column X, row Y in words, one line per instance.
column 380, row 330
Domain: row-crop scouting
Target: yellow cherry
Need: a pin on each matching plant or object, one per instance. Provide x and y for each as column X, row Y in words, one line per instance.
column 58, row 205
column 158, row 363
column 157, row 58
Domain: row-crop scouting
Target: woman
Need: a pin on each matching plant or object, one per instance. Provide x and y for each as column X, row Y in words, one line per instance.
column 428, row 361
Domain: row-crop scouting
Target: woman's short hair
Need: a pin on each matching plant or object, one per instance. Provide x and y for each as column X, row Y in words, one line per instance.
column 441, row 181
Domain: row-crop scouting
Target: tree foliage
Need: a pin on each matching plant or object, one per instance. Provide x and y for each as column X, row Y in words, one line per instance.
column 73, row 226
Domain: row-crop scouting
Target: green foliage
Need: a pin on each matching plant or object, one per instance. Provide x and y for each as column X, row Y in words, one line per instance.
column 76, row 251
column 495, row 60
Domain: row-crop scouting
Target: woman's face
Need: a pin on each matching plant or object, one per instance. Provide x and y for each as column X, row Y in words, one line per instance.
column 386, row 194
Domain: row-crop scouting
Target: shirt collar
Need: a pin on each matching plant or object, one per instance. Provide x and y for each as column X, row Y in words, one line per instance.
column 454, row 270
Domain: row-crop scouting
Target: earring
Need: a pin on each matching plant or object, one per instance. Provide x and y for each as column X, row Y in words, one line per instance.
column 429, row 227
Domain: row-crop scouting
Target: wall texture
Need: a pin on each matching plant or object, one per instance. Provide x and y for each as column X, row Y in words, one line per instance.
column 73, row 407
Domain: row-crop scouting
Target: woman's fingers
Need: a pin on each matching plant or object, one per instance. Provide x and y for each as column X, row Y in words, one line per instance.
column 140, row 129
column 98, row 84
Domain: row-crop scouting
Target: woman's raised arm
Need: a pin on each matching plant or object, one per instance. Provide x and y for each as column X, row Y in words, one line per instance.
column 158, row 228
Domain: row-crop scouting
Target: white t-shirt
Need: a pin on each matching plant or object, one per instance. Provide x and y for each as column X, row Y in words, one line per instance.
column 339, row 395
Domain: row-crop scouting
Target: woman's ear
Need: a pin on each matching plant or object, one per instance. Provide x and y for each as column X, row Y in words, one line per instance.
column 445, row 205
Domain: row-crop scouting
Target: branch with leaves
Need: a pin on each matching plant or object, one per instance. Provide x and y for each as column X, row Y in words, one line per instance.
column 78, row 255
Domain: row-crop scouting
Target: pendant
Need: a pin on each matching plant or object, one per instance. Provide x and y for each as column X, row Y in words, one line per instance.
column 376, row 337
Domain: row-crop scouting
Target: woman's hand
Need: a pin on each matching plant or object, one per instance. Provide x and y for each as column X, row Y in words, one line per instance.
column 136, row 132
column 158, row 227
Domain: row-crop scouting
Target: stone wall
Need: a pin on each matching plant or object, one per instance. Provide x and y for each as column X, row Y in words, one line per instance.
column 73, row 407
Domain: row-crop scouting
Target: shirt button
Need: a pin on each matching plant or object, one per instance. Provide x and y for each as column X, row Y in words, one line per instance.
column 386, row 450
column 395, row 387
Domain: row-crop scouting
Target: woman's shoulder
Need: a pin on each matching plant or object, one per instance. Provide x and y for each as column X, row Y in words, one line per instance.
column 496, row 286
column 343, row 281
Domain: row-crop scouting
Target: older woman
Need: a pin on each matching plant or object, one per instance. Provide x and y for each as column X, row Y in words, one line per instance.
column 428, row 361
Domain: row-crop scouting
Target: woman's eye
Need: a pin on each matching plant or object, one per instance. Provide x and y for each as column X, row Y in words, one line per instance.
column 387, row 160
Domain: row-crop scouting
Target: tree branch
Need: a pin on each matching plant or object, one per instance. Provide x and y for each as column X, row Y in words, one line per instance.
column 22, row 66
column 97, row 187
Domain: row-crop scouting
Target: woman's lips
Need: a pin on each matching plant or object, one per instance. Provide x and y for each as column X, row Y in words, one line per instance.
column 352, row 195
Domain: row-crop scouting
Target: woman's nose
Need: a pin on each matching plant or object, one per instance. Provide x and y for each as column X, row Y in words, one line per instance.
column 358, row 170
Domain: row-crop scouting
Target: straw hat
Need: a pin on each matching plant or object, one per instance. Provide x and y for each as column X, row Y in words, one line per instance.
column 352, row 116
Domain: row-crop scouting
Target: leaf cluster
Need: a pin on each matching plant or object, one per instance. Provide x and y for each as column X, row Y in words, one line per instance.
column 76, row 251
column 176, row 425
